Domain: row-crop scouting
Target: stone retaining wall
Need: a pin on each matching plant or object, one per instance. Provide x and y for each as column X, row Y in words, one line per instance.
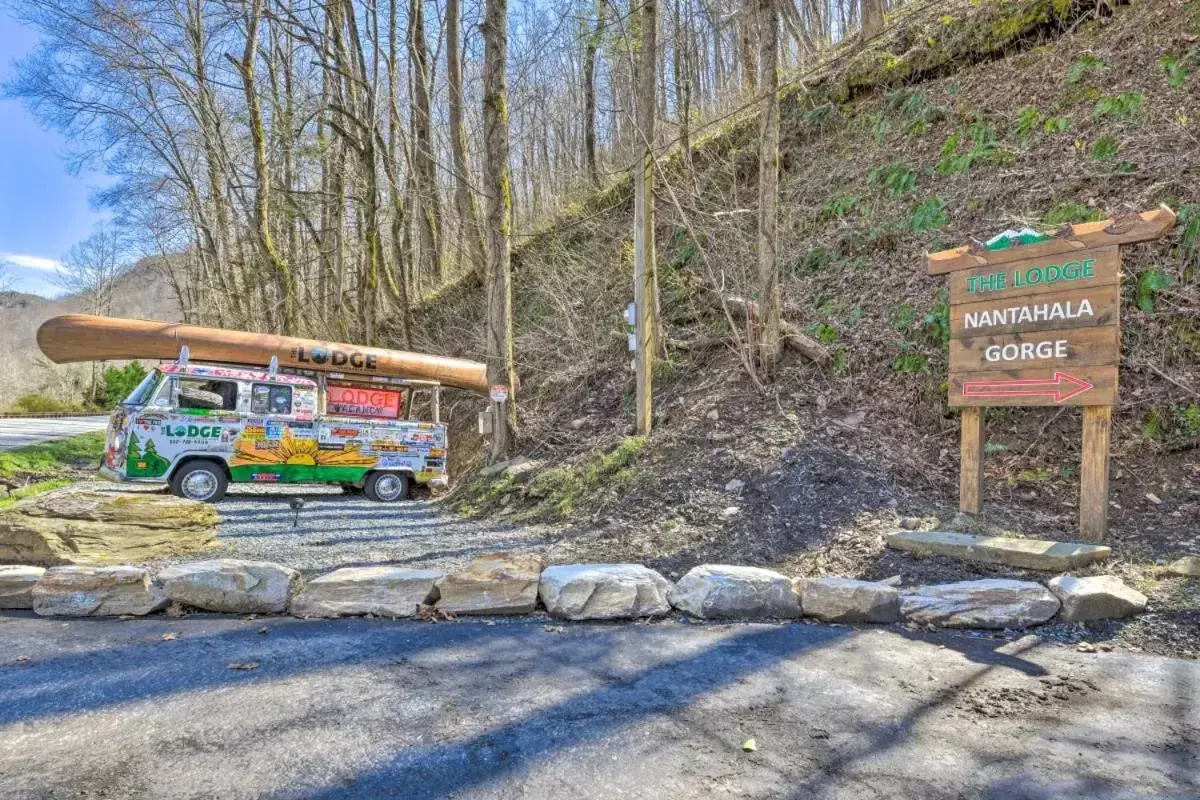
column 518, row 583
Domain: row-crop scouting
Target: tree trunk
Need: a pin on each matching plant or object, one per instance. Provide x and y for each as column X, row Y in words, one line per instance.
column 464, row 200
column 768, row 186
column 262, row 176
column 645, row 278
column 425, row 157
column 746, row 34
column 872, row 18
column 498, row 277
column 589, row 94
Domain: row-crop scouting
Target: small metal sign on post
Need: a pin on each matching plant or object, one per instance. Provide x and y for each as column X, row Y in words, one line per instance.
column 1035, row 321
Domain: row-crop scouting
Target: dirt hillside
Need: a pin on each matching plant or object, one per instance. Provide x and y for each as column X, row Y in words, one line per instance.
column 963, row 120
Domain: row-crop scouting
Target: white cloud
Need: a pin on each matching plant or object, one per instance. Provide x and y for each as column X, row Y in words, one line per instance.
column 31, row 262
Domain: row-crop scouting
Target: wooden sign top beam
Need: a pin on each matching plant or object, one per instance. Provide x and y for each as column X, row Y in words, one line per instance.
column 1122, row 230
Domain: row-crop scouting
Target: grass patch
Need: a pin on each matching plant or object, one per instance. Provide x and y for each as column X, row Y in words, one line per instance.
column 41, row 487
column 561, row 490
column 51, row 458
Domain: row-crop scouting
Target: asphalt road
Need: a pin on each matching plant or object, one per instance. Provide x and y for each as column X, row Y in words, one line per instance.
column 534, row 709
column 22, row 432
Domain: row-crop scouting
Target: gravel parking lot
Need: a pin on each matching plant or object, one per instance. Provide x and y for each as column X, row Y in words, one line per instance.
column 334, row 530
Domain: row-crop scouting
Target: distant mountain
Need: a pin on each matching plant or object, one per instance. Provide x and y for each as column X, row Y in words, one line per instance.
column 142, row 292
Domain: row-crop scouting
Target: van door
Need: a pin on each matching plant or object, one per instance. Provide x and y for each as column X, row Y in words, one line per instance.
column 289, row 445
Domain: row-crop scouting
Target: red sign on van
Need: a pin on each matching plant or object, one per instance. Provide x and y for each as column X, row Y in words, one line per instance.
column 360, row 401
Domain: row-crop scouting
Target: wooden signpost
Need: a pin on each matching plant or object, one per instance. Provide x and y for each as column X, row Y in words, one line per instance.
column 1038, row 324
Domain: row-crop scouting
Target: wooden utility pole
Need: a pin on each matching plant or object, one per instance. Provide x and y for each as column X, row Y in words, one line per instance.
column 498, row 184
column 645, row 278
column 769, row 342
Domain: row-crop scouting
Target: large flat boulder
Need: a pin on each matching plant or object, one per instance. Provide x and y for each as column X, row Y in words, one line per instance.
column 89, row 526
column 356, row 591
column 1041, row 554
column 230, row 585
column 847, row 600
column 604, row 591
column 720, row 591
column 78, row 591
column 497, row 583
column 991, row 603
column 1187, row 567
column 1096, row 597
column 16, row 585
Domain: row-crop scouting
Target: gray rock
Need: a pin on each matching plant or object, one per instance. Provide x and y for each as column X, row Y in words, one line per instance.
column 498, row 583
column 713, row 415
column 991, row 603
column 16, row 585
column 231, row 585
column 604, row 591
column 718, row 591
column 1023, row 553
column 735, row 486
column 1097, row 597
column 1188, row 567
column 846, row 600
column 79, row 591
column 383, row 591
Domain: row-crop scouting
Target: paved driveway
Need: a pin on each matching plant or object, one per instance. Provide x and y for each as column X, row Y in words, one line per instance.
column 534, row 709
column 22, row 432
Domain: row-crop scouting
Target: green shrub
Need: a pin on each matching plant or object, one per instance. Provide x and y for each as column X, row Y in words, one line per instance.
column 1073, row 213
column 1124, row 106
column 1104, row 149
column 896, row 178
column 929, row 216
column 1083, row 66
column 1149, row 284
column 39, row 404
column 1027, row 122
column 1176, row 69
column 1056, row 124
column 120, row 381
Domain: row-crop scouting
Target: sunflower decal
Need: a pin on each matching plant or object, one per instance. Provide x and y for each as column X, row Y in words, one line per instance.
column 298, row 452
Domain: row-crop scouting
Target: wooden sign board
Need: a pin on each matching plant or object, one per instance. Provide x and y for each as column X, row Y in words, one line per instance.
column 1038, row 324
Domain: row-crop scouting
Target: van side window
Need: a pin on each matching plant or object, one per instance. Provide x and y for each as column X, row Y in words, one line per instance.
column 209, row 395
column 266, row 398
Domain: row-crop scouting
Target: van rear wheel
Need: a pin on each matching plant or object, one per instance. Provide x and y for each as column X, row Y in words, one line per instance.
column 200, row 480
column 386, row 487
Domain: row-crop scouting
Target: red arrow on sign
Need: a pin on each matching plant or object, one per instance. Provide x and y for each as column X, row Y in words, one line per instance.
column 1062, row 386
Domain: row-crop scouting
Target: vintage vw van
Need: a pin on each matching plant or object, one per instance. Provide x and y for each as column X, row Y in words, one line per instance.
column 201, row 427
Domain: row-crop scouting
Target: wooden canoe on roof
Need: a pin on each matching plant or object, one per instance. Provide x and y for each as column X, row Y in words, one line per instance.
column 81, row 337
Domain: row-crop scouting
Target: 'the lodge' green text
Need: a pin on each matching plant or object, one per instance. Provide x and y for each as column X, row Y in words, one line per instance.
column 1031, row 276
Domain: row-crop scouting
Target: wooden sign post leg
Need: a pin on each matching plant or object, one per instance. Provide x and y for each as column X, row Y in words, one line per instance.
column 1093, row 493
column 970, row 482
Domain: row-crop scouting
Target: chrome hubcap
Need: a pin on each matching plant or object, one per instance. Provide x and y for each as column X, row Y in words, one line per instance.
column 200, row 485
column 389, row 487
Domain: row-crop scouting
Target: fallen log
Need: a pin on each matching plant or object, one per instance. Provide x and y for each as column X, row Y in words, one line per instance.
column 791, row 335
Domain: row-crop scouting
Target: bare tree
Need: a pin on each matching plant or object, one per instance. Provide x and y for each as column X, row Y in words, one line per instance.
column 645, row 276
column 91, row 269
column 498, row 185
column 768, row 186
column 464, row 199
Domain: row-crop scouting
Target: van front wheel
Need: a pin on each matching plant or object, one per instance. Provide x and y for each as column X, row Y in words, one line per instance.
column 386, row 487
column 200, row 480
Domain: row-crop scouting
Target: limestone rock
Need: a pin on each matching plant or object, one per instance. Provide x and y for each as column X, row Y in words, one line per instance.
column 1188, row 567
column 93, row 526
column 231, row 585
column 497, row 583
column 1098, row 597
column 383, row 591
column 604, row 591
column 16, row 585
column 847, row 600
column 991, row 603
column 1021, row 553
column 718, row 591
column 78, row 591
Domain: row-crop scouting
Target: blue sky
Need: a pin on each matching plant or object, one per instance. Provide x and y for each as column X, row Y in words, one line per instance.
column 43, row 208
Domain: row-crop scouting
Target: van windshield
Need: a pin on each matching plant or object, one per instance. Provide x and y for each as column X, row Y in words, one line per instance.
column 141, row 395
